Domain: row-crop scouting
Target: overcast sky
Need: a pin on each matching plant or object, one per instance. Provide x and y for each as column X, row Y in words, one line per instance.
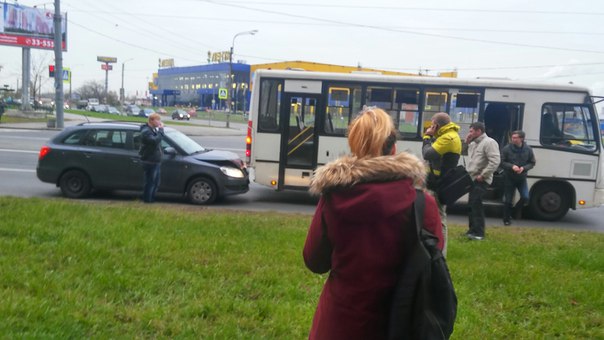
column 549, row 40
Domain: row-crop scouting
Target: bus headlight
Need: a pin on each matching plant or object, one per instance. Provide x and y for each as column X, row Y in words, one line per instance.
column 232, row 172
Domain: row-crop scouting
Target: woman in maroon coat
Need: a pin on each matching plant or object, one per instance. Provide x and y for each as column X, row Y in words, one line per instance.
column 356, row 232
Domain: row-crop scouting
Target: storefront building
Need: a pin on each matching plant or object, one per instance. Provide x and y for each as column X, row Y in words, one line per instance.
column 201, row 86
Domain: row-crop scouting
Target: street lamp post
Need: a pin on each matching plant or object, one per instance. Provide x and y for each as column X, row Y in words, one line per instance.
column 122, row 92
column 230, row 86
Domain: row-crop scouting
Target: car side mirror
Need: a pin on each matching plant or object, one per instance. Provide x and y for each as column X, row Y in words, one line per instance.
column 170, row 151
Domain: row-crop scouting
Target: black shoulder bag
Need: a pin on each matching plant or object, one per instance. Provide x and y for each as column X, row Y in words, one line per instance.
column 424, row 304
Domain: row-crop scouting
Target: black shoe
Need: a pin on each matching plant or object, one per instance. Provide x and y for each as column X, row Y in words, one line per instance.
column 507, row 221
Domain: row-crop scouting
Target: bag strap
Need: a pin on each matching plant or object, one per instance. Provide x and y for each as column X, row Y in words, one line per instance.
column 419, row 205
column 421, row 233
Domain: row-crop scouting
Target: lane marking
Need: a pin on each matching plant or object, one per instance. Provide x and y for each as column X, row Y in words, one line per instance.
column 17, row 170
column 18, row 151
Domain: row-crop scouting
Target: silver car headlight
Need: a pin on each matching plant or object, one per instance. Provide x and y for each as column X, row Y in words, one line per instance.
column 232, row 172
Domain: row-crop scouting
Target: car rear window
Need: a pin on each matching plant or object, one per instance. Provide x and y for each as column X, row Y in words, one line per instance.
column 74, row 138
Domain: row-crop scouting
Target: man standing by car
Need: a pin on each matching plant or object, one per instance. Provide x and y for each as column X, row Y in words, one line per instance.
column 441, row 149
column 517, row 159
column 151, row 153
column 484, row 160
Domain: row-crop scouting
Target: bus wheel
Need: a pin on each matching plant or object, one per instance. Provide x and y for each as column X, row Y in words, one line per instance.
column 550, row 202
column 202, row 191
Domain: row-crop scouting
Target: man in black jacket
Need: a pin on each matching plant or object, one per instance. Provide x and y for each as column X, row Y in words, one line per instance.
column 517, row 159
column 151, row 154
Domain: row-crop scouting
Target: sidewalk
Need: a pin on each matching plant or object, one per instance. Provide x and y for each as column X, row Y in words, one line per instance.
column 194, row 127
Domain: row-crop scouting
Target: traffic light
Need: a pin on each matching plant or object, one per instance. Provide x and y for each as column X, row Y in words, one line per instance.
column 51, row 71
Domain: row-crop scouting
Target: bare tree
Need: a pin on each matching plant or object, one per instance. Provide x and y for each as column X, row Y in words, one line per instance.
column 96, row 89
column 39, row 72
column 91, row 89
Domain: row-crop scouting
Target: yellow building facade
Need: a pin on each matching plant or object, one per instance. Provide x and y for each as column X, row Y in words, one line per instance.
column 319, row 67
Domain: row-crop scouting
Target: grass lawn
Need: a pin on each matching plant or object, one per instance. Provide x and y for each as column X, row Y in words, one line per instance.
column 12, row 119
column 77, row 269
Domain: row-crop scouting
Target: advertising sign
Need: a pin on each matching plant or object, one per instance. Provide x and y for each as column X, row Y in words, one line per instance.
column 107, row 59
column 106, row 67
column 30, row 27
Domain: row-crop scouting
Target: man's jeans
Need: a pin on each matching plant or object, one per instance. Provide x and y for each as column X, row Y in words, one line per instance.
column 476, row 217
column 151, row 180
column 510, row 185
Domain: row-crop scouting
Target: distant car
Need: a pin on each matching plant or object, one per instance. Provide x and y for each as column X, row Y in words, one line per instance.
column 181, row 114
column 132, row 110
column 145, row 112
column 99, row 108
column 162, row 111
column 104, row 156
column 113, row 110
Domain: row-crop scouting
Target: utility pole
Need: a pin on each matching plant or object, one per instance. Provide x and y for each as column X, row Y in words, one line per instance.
column 58, row 65
column 231, row 76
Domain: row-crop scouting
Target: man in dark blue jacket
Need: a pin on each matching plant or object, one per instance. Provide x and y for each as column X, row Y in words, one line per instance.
column 517, row 159
column 151, row 154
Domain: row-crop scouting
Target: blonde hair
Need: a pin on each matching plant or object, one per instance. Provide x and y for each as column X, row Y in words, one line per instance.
column 154, row 116
column 371, row 133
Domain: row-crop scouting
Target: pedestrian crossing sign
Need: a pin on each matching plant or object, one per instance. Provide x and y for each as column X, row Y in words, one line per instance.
column 222, row 93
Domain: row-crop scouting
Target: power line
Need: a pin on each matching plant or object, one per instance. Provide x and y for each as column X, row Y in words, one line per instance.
column 381, row 28
column 143, row 30
column 125, row 42
column 401, row 8
column 290, row 23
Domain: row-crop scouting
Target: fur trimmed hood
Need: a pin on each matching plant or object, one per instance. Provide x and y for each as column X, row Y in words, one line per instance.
column 347, row 171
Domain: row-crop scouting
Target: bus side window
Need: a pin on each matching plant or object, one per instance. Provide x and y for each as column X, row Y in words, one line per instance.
column 270, row 105
column 568, row 126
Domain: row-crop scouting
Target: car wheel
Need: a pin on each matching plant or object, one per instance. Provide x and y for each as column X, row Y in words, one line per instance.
column 550, row 203
column 75, row 184
column 202, row 191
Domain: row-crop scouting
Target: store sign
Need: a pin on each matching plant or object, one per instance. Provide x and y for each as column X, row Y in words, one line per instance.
column 166, row 63
column 221, row 57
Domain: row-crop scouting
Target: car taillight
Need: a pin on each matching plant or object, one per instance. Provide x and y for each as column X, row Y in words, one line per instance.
column 43, row 152
column 248, row 143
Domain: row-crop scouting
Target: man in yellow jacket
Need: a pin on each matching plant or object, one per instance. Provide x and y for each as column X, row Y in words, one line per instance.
column 441, row 149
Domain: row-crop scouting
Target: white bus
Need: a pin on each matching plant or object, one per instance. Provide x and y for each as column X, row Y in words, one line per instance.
column 298, row 122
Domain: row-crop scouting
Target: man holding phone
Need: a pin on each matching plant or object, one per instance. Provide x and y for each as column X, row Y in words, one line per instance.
column 484, row 160
column 441, row 149
column 151, row 154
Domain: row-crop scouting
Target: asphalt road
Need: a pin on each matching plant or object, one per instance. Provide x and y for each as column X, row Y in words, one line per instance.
column 19, row 150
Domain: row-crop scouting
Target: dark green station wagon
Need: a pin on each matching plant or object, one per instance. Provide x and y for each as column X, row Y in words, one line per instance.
column 104, row 156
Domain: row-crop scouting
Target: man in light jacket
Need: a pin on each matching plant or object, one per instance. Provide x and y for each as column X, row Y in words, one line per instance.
column 484, row 160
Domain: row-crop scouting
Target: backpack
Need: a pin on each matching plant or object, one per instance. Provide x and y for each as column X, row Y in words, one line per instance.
column 424, row 304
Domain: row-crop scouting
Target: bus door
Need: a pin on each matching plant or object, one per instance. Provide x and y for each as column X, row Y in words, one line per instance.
column 298, row 142
column 500, row 119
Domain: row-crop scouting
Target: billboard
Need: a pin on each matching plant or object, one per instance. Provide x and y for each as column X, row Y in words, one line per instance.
column 30, row 27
